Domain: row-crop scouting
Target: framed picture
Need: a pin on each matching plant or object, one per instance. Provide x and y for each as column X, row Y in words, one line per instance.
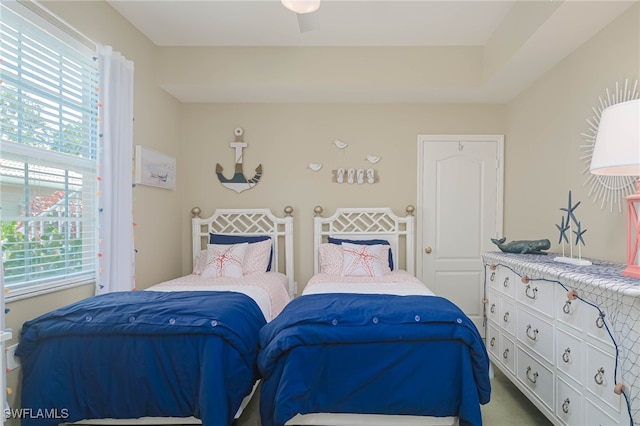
column 155, row 169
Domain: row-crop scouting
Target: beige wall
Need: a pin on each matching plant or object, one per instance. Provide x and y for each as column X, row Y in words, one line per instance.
column 319, row 74
column 284, row 138
column 544, row 134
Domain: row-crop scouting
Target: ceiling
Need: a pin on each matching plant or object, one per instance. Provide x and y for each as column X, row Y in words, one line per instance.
column 340, row 23
column 553, row 30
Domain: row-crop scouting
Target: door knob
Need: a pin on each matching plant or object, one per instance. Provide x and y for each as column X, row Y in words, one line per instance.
column 427, row 250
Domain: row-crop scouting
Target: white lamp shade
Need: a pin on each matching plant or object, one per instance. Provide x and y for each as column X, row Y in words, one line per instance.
column 616, row 151
column 301, row 6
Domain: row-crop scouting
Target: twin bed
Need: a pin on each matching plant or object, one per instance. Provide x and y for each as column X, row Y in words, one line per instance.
column 179, row 350
column 356, row 349
column 366, row 342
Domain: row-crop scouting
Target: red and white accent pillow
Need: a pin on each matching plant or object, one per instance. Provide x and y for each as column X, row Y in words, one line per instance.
column 256, row 258
column 201, row 260
column 330, row 258
column 364, row 260
column 224, row 260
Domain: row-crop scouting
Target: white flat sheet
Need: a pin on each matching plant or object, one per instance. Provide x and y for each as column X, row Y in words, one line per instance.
column 398, row 282
column 269, row 289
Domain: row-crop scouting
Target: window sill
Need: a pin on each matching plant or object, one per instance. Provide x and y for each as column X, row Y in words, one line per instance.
column 25, row 293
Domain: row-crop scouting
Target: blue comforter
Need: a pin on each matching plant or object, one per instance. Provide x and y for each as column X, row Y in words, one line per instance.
column 372, row 354
column 135, row 354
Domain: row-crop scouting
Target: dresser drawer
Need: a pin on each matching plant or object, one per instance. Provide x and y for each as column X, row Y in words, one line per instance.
column 568, row 404
column 508, row 353
column 493, row 341
column 568, row 312
column 502, row 279
column 493, row 306
column 599, row 376
column 597, row 325
column 536, row 334
column 494, row 272
column 595, row 416
column 535, row 377
column 507, row 284
column 569, row 355
column 537, row 295
column 507, row 316
column 490, row 273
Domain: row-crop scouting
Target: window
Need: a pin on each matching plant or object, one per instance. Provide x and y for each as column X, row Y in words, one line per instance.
column 48, row 154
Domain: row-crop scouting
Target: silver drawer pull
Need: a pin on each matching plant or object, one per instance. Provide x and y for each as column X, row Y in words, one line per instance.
column 505, row 283
column 493, row 342
column 599, row 377
column 533, row 336
column 566, row 356
column 505, row 318
column 492, row 277
column 600, row 321
column 505, row 354
column 565, row 406
column 567, row 307
column 493, row 308
column 531, row 377
column 534, row 295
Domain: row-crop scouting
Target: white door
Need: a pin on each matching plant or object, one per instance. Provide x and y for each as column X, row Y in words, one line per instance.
column 460, row 190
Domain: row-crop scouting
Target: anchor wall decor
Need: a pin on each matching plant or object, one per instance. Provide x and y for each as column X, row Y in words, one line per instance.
column 239, row 182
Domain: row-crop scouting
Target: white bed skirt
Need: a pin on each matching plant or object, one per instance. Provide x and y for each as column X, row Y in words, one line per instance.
column 162, row 420
column 326, row 419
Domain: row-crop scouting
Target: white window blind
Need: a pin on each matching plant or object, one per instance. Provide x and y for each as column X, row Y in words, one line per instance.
column 48, row 154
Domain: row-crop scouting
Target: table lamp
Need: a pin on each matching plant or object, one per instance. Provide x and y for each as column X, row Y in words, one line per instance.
column 616, row 152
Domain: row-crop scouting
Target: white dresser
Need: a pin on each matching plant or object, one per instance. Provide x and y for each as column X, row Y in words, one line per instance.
column 567, row 336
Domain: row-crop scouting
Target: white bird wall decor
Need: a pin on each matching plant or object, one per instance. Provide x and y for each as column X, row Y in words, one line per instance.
column 314, row 166
column 340, row 144
column 373, row 159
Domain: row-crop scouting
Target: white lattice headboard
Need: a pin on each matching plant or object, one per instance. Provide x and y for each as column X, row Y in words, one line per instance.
column 368, row 223
column 250, row 222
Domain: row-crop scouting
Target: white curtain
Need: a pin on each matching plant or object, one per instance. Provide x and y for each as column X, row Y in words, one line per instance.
column 116, row 257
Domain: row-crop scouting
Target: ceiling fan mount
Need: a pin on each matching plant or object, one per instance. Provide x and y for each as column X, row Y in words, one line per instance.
column 305, row 11
column 301, row 6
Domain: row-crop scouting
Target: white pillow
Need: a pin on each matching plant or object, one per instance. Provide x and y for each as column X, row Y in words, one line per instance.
column 364, row 260
column 256, row 258
column 224, row 260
